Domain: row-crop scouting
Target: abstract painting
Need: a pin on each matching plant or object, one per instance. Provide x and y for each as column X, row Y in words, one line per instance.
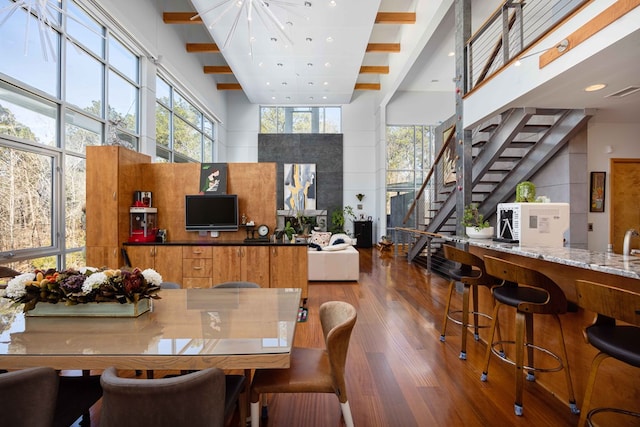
column 299, row 186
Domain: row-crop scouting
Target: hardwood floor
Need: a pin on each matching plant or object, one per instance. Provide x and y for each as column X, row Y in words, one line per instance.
column 398, row 372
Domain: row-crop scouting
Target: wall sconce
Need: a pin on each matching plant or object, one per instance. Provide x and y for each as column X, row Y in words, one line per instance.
column 561, row 47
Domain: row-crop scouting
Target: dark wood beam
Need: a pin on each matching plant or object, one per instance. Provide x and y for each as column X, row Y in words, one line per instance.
column 181, row 18
column 229, row 86
column 203, row 48
column 383, row 47
column 217, row 69
column 396, row 18
column 367, row 86
column 374, row 69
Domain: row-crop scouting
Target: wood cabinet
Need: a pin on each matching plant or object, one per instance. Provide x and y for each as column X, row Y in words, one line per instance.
column 197, row 266
column 289, row 267
column 246, row 263
column 113, row 174
column 166, row 260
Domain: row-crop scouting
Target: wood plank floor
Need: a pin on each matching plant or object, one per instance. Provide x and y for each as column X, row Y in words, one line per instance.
column 398, row 372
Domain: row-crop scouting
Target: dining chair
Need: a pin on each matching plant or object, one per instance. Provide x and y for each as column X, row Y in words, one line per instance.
column 313, row 370
column 612, row 339
column 236, row 284
column 28, row 397
column 76, row 396
column 529, row 292
column 196, row 399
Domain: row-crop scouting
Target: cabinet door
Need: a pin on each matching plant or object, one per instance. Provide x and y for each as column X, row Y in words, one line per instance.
column 103, row 256
column 142, row 256
column 168, row 262
column 254, row 265
column 226, row 264
column 289, row 267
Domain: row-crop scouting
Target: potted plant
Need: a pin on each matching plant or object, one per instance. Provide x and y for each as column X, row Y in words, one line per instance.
column 476, row 226
column 338, row 219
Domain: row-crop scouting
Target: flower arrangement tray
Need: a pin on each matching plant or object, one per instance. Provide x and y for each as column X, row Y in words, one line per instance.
column 92, row 309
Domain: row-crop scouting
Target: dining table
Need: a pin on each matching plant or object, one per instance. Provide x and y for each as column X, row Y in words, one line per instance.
column 186, row 329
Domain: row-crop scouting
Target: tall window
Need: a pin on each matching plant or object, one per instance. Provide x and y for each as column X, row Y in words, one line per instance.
column 409, row 157
column 183, row 132
column 75, row 85
column 300, row 120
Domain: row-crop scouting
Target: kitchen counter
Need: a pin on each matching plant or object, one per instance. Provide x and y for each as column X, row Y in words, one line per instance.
column 619, row 265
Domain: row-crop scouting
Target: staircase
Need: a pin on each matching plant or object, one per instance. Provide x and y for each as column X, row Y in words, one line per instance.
column 506, row 150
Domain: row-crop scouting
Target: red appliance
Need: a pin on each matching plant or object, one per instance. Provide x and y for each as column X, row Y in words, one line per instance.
column 143, row 224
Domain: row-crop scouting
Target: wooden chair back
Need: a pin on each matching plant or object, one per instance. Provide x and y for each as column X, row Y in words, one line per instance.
column 523, row 276
column 609, row 301
column 468, row 262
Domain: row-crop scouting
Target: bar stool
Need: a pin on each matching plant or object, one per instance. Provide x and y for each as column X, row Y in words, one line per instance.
column 530, row 292
column 471, row 274
column 622, row 342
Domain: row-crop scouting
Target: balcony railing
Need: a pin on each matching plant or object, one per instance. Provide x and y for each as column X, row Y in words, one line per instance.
column 513, row 28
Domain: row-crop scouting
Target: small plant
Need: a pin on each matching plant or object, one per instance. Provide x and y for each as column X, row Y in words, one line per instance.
column 289, row 230
column 473, row 218
column 338, row 218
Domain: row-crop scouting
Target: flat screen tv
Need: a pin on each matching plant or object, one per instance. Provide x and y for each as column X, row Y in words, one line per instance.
column 211, row 212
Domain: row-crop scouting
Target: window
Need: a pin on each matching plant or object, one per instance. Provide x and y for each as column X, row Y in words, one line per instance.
column 81, row 89
column 300, row 120
column 183, row 132
column 409, row 157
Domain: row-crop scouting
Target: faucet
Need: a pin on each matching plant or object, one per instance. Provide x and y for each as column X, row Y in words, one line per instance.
column 626, row 246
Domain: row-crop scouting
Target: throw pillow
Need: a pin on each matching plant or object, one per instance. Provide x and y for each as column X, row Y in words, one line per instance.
column 320, row 238
column 338, row 241
column 315, row 246
column 338, row 247
column 342, row 236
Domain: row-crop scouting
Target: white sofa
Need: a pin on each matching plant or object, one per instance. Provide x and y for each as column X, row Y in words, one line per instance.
column 336, row 262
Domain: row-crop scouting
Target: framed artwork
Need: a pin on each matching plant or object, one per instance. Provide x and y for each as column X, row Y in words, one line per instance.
column 598, row 181
column 213, row 178
column 448, row 159
column 299, row 186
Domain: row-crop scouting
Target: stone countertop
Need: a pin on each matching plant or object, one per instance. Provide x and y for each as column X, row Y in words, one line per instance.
column 626, row 266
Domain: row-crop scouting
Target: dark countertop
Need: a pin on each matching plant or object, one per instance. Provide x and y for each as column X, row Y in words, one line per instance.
column 211, row 243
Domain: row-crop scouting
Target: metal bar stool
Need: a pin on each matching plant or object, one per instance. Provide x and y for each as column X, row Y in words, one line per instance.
column 471, row 274
column 622, row 342
column 530, row 292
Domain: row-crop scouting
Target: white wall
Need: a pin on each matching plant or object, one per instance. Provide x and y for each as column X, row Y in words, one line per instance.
column 622, row 139
column 420, row 108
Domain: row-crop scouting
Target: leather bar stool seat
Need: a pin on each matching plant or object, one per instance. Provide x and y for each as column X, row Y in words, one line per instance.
column 612, row 339
column 529, row 292
column 469, row 271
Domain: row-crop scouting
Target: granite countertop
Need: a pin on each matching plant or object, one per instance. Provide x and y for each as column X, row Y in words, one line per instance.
column 627, row 266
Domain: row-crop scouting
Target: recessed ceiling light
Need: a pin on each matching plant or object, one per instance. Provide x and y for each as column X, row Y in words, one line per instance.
column 311, row 98
column 273, row 97
column 332, row 3
column 279, row 64
column 288, row 98
column 309, row 39
column 274, row 39
column 324, row 97
column 329, row 39
column 309, row 64
column 284, row 83
column 307, row 4
column 327, row 64
column 595, row 87
column 310, row 83
column 289, row 23
column 326, row 83
column 268, row 83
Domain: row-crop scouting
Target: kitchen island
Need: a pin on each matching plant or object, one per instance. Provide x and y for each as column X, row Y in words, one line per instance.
column 617, row 384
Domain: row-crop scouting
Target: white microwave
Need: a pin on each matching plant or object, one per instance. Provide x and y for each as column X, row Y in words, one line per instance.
column 533, row 224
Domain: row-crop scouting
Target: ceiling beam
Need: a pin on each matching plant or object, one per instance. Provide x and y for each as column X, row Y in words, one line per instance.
column 367, row 86
column 181, row 18
column 229, row 86
column 396, row 18
column 203, row 48
column 374, row 69
column 217, row 69
column 383, row 47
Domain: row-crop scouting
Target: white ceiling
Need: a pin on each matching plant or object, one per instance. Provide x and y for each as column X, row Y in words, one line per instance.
column 351, row 25
column 309, row 68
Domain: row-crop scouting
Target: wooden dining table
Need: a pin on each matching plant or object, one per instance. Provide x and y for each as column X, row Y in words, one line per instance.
column 187, row 329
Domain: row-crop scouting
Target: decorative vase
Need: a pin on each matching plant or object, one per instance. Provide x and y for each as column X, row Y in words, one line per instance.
column 92, row 309
column 483, row 233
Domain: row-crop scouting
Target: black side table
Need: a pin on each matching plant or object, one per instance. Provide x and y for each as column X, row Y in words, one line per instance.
column 363, row 232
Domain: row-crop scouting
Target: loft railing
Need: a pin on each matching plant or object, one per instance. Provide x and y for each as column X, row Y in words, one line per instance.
column 513, row 28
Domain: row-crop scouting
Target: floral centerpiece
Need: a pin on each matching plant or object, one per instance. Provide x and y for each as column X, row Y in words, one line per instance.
column 87, row 285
